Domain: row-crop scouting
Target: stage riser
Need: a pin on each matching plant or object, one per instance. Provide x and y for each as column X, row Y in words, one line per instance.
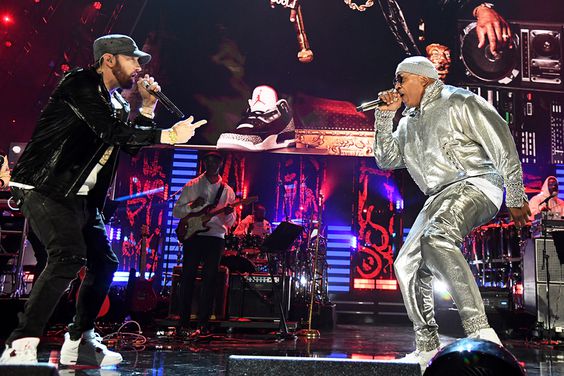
column 276, row 366
column 29, row 370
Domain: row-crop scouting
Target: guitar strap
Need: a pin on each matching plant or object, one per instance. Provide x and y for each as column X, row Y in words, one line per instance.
column 218, row 195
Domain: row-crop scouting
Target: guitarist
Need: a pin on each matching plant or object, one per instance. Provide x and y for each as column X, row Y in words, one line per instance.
column 205, row 193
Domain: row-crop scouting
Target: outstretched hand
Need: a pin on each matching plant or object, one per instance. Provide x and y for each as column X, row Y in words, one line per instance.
column 520, row 215
column 181, row 132
column 492, row 25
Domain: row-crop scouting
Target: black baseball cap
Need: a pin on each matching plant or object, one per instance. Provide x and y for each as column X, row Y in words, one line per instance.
column 213, row 154
column 118, row 44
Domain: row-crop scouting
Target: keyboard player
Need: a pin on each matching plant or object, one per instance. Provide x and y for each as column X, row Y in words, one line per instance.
column 547, row 200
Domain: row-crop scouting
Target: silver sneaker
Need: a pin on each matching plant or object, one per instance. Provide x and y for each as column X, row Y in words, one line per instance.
column 421, row 357
column 487, row 334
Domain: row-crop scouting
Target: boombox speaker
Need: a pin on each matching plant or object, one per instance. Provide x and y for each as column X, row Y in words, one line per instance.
column 534, row 58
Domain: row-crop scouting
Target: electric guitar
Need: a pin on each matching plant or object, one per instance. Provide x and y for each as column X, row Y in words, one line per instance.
column 195, row 222
column 143, row 297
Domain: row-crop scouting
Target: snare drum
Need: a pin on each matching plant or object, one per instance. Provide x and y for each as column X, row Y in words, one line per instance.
column 232, row 243
column 251, row 245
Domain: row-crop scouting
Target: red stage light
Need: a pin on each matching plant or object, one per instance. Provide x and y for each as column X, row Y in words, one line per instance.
column 97, row 5
column 7, row 19
column 65, row 67
column 386, row 284
column 8, row 43
column 363, row 284
column 518, row 289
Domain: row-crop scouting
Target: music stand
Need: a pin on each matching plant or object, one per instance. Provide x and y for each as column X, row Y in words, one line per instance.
column 280, row 242
column 281, row 238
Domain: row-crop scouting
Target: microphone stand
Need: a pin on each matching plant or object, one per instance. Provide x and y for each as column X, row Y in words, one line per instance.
column 172, row 199
column 545, row 263
column 310, row 333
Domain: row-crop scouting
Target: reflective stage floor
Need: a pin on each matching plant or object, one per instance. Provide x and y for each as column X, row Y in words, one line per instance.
column 161, row 355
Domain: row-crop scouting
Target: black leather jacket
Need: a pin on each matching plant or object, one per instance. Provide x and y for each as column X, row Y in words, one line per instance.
column 74, row 130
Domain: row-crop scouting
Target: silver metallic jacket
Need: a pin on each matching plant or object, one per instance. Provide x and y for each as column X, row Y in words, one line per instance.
column 452, row 136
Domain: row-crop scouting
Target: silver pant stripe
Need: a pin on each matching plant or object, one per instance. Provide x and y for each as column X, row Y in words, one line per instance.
column 432, row 250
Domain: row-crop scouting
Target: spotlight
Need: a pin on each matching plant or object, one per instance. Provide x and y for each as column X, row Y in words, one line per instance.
column 8, row 43
column 97, row 5
column 7, row 19
column 473, row 357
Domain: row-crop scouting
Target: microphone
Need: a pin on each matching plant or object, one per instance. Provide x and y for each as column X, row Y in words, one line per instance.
column 546, row 200
column 367, row 106
column 167, row 103
column 305, row 55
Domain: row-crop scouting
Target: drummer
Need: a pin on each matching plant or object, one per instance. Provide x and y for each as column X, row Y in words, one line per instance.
column 547, row 200
column 254, row 224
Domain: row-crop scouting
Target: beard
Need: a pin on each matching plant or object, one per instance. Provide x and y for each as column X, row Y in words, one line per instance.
column 125, row 81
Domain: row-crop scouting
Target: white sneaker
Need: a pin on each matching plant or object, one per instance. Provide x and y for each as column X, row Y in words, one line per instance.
column 22, row 351
column 421, row 357
column 88, row 350
column 488, row 334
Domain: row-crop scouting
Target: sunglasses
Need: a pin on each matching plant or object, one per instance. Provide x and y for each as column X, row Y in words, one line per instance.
column 398, row 79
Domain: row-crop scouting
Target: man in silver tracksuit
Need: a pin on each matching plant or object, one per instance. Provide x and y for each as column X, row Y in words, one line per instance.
column 460, row 153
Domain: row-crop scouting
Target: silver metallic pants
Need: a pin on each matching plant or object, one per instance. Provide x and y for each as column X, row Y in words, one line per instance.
column 432, row 250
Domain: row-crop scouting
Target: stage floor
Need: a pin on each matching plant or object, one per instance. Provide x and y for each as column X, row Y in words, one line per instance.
column 164, row 356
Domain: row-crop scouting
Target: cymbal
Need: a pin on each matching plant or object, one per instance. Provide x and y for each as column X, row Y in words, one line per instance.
column 532, row 190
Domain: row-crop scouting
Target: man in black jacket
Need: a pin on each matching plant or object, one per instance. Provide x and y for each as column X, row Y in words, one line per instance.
column 61, row 181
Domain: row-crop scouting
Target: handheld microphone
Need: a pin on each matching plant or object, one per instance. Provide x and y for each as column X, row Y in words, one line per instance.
column 367, row 106
column 167, row 103
column 305, row 55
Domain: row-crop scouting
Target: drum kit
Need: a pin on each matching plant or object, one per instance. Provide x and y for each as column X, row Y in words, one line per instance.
column 494, row 252
column 245, row 254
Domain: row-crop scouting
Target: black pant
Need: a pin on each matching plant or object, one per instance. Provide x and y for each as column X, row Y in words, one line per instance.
column 39, row 252
column 74, row 235
column 206, row 249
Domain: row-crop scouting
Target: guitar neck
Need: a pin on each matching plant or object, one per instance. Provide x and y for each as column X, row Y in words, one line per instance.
column 143, row 257
column 219, row 211
column 245, row 201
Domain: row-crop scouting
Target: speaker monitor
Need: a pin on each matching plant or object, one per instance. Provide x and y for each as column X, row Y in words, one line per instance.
column 534, row 269
column 254, row 296
column 220, row 298
column 239, row 365
column 534, row 280
column 470, row 356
